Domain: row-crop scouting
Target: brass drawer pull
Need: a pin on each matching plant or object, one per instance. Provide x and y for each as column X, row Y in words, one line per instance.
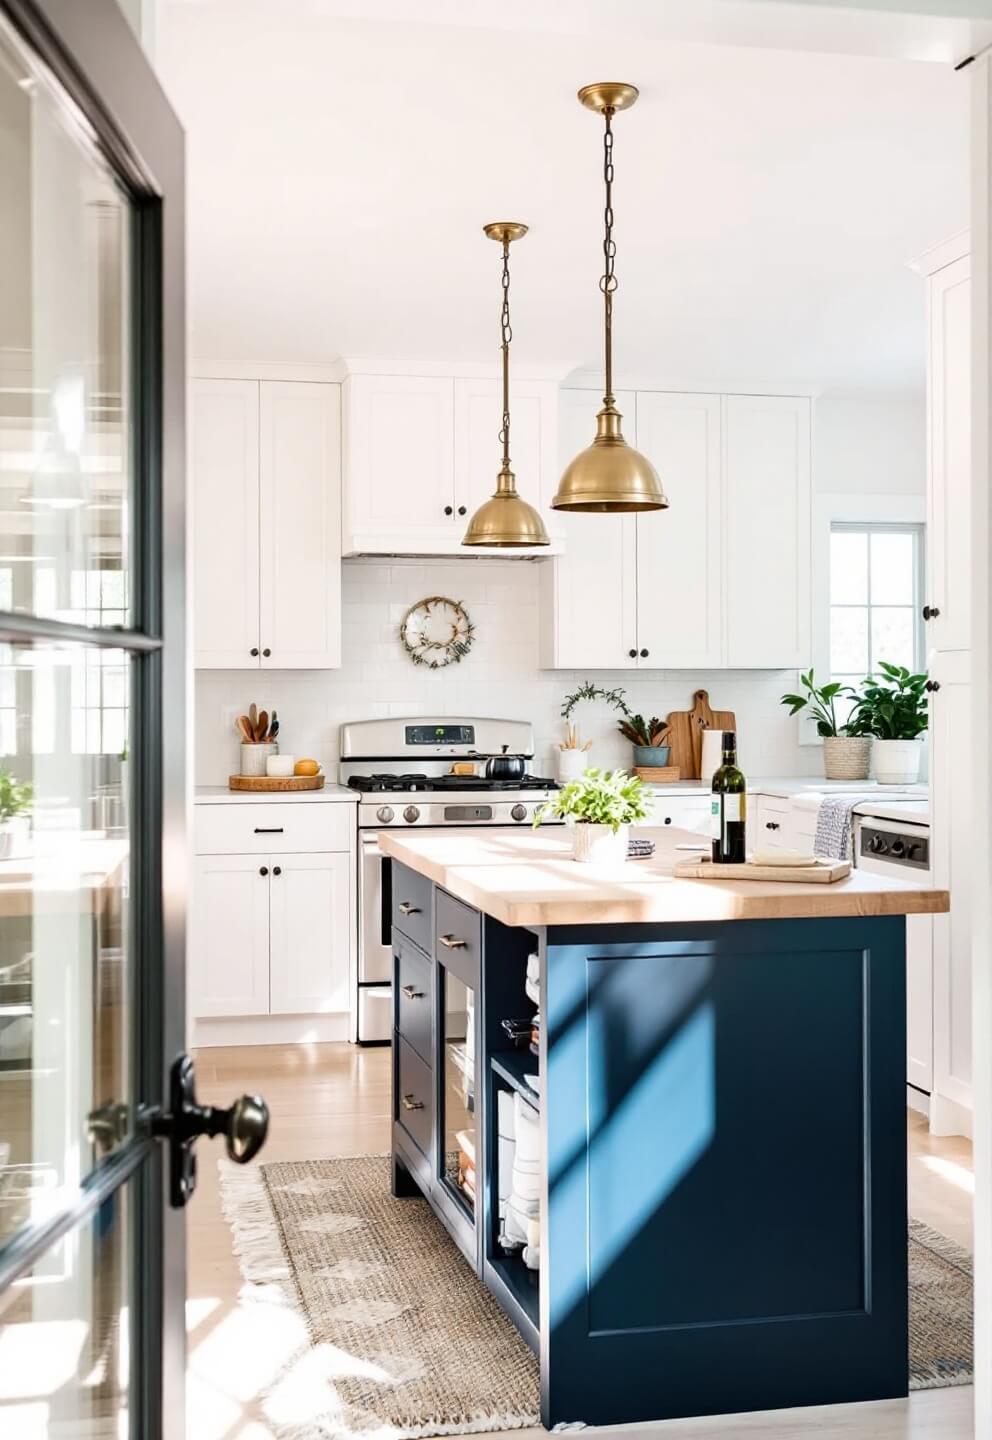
column 410, row 1104
column 407, row 908
column 451, row 943
column 412, row 994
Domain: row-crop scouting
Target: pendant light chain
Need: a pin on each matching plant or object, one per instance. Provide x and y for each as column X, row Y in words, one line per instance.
column 507, row 336
column 608, row 281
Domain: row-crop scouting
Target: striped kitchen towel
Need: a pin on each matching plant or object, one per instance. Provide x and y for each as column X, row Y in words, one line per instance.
column 835, row 826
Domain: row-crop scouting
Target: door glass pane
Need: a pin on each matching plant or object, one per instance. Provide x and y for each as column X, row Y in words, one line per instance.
column 64, row 882
column 893, row 567
column 458, row 1100
column 64, row 1336
column 65, row 422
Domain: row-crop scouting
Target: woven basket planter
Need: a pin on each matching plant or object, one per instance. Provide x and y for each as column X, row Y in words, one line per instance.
column 846, row 757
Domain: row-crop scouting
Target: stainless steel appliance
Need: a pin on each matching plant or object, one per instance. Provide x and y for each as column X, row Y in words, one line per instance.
column 402, row 768
column 900, row 849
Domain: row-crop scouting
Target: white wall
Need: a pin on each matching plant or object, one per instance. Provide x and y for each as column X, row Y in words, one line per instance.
column 499, row 677
column 871, row 443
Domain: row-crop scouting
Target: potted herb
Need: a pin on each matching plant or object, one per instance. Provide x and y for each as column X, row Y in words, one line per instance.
column 892, row 706
column 847, row 744
column 573, row 755
column 600, row 805
column 646, row 737
column 15, row 800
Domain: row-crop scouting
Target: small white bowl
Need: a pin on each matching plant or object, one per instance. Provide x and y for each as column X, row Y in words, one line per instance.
column 280, row 767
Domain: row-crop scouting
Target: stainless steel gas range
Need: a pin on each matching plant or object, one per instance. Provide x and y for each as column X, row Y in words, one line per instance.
column 402, row 768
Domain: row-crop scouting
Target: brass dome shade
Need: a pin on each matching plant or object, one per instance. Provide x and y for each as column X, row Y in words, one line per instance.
column 609, row 475
column 505, row 520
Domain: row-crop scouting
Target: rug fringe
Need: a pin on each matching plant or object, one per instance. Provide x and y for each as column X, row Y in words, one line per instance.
column 248, row 1211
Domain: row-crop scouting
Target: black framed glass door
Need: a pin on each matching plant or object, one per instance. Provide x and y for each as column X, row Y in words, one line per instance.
column 92, row 726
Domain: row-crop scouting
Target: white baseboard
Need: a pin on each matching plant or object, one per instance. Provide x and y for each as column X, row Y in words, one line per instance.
column 269, row 1030
column 917, row 1100
column 948, row 1117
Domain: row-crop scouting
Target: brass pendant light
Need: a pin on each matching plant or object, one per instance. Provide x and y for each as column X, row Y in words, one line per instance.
column 609, row 475
column 505, row 520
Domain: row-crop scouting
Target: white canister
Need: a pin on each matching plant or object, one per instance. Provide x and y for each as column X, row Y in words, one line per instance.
column 254, row 756
column 599, row 844
column 712, row 757
column 571, row 764
column 280, row 767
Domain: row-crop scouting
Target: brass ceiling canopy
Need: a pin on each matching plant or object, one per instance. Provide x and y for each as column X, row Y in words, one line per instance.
column 505, row 519
column 609, row 475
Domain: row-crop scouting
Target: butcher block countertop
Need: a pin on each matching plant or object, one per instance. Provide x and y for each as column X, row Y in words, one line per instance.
column 529, row 878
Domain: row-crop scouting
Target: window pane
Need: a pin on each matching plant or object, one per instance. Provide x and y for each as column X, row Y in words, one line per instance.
column 64, row 882
column 849, row 640
column 892, row 635
column 65, row 364
column 848, row 567
column 893, row 563
column 65, row 1336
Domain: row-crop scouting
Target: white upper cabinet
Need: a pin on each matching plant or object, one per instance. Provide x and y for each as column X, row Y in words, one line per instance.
column 223, row 449
column 300, row 510
column 680, row 550
column 266, row 490
column 948, row 584
column 422, row 453
column 399, row 462
column 766, row 555
column 589, row 593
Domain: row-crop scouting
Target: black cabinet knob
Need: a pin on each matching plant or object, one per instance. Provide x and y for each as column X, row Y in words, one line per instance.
column 462, row 510
column 632, row 654
column 276, row 870
column 264, row 870
column 668, row 819
column 930, row 612
column 448, row 510
column 932, row 686
column 644, row 654
column 266, row 652
column 771, row 824
column 254, row 650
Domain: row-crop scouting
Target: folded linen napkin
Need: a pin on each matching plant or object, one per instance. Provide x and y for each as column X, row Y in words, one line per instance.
column 834, row 826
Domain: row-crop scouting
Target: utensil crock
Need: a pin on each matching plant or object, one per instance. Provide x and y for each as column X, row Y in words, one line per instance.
column 254, row 756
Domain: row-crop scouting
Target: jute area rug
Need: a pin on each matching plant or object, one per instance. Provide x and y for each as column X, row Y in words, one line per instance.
column 398, row 1339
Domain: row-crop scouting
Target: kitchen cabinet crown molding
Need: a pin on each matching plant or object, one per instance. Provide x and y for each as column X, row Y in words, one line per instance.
column 955, row 247
column 678, row 385
column 331, row 372
column 406, row 365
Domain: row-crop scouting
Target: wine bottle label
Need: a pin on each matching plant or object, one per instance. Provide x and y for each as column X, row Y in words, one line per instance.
column 732, row 807
column 716, row 827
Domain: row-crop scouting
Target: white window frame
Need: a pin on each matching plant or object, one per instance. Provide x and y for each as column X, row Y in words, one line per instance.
column 882, row 527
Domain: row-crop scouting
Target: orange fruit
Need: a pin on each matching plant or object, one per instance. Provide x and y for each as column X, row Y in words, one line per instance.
column 306, row 767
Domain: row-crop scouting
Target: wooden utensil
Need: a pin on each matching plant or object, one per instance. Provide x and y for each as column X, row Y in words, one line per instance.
column 253, row 719
column 245, row 729
column 680, row 743
column 824, row 872
column 263, row 724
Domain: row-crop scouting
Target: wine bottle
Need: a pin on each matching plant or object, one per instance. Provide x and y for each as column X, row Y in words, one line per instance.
column 729, row 807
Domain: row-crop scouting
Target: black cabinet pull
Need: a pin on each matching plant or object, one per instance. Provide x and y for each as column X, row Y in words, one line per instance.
column 632, row 654
column 266, row 652
column 771, row 825
column 254, row 650
column 276, row 870
column 462, row 510
column 930, row 612
column 448, row 510
column 268, row 829
column 932, row 686
column 644, row 654
column 668, row 819
column 264, row 870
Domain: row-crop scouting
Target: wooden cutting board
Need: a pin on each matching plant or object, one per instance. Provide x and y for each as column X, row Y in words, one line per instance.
column 824, row 872
column 685, row 733
column 679, row 739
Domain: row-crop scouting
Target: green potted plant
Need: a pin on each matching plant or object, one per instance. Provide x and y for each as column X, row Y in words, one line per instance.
column 846, row 744
column 646, row 737
column 573, row 755
column 15, row 801
column 892, row 707
column 600, row 806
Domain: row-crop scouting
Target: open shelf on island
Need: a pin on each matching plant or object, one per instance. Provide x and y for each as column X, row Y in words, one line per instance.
column 519, row 1292
column 514, row 1066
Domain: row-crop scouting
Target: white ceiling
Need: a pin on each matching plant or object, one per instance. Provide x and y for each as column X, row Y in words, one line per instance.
column 767, row 199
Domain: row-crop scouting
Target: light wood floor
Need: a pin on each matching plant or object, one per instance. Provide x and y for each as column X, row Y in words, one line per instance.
column 334, row 1100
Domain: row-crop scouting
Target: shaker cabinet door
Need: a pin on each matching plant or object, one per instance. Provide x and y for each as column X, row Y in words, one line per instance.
column 223, row 457
column 229, row 935
column 533, row 445
column 300, row 507
column 310, row 934
column 949, row 492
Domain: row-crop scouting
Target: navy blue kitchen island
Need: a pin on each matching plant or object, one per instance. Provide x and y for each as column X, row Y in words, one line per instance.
column 721, row 1093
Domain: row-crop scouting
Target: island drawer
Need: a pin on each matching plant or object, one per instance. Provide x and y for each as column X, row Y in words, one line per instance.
column 412, row 905
column 457, row 937
column 414, row 1088
column 270, row 828
column 414, row 976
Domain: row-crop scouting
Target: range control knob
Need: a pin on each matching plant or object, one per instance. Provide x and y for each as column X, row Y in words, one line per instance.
column 877, row 844
column 913, row 850
column 411, row 814
column 385, row 813
column 518, row 812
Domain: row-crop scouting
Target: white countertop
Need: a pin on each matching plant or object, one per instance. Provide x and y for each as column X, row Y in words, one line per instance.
column 784, row 789
column 221, row 795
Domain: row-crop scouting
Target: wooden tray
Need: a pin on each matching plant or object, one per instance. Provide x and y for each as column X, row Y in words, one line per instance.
column 275, row 782
column 824, row 872
column 658, row 774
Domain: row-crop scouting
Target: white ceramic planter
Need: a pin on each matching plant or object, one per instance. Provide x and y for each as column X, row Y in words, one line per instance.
column 571, row 764
column 599, row 844
column 897, row 762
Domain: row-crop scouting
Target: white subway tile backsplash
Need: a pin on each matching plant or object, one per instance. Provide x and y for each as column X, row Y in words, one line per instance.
column 500, row 676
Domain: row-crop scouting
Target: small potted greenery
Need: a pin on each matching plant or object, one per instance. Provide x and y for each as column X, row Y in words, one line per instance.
column 646, row 737
column 892, row 707
column 846, row 745
column 15, row 801
column 600, row 805
column 573, row 755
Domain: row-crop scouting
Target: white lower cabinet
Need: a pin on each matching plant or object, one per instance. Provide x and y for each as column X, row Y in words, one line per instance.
column 309, row 899
column 229, row 935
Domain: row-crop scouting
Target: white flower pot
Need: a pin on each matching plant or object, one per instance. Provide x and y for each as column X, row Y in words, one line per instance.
column 897, row 762
column 571, row 764
column 599, row 844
